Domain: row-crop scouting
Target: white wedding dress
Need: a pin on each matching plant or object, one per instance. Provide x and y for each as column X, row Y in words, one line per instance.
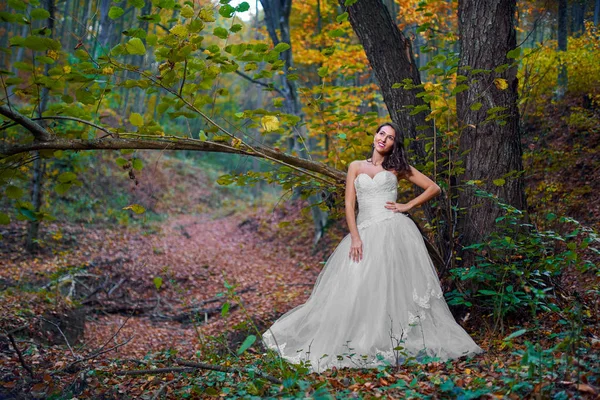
column 380, row 310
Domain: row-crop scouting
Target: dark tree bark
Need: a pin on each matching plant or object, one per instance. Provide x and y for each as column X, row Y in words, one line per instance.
column 596, row 12
column 561, row 89
column 492, row 149
column 390, row 54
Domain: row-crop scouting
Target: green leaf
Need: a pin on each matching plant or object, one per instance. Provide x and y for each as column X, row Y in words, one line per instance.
column 13, row 192
column 550, row 217
column 247, row 343
column 226, row 11
column 515, row 334
column 281, row 47
column 4, row 219
column 187, row 11
column 28, row 214
column 348, row 3
column 221, row 32
column 36, row 43
column 137, row 164
column 225, row 309
column 341, row 135
column 242, row 7
column 499, row 182
column 115, row 12
column 62, row 188
column 459, row 89
column 476, row 106
column 418, row 109
column 514, row 53
column 39, row 13
column 236, row 28
column 135, row 46
column 136, row 119
column 157, row 282
column 85, row 96
column 121, row 161
column 136, row 208
column 17, row 5
column 342, row 17
column 67, row 177
column 323, row 72
column 136, row 3
column 336, row 33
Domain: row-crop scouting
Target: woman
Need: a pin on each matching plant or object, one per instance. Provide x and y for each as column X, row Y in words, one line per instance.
column 378, row 299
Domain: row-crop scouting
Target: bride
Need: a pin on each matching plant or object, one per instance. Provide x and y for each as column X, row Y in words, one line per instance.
column 378, row 299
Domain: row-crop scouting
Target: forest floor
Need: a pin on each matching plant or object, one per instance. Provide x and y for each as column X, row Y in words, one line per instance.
column 155, row 295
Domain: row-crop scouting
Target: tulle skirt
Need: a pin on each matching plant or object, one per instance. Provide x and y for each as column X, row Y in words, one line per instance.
column 378, row 311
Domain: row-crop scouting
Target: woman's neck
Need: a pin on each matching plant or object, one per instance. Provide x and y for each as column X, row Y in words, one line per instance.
column 377, row 159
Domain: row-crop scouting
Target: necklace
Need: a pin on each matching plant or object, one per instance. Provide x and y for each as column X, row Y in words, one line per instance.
column 370, row 161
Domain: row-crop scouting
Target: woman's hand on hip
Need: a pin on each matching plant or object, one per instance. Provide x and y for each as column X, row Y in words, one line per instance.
column 397, row 207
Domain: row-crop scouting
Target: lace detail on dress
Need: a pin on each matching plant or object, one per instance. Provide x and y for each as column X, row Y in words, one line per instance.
column 431, row 292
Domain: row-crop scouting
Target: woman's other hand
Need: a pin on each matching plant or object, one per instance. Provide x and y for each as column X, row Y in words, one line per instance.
column 356, row 250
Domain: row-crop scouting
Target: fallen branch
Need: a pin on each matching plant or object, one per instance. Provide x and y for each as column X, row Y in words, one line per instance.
column 21, row 359
column 228, row 369
column 155, row 371
column 94, row 355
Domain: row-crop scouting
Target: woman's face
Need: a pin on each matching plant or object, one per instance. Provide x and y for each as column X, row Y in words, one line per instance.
column 384, row 139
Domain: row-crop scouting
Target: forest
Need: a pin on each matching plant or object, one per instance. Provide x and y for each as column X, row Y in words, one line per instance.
column 172, row 182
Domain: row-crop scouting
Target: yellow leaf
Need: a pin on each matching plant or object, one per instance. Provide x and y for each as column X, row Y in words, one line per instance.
column 179, row 30
column 53, row 54
column 187, row 11
column 108, row 70
column 67, row 69
column 501, row 83
column 269, row 123
column 136, row 208
column 136, row 119
column 235, row 142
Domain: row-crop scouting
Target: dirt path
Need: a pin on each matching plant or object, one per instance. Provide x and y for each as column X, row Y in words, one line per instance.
column 190, row 258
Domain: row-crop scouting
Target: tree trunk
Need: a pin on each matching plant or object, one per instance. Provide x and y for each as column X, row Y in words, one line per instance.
column 391, row 57
column 277, row 21
column 596, row 12
column 561, row 89
column 39, row 165
column 492, row 149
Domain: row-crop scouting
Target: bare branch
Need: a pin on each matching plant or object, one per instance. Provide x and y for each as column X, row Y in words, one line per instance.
column 250, row 79
column 176, row 143
column 38, row 132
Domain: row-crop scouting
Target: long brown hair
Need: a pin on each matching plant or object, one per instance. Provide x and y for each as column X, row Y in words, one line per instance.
column 396, row 160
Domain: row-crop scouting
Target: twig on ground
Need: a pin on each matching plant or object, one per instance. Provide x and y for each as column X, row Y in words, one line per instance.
column 94, row 355
column 23, row 363
column 190, row 366
column 75, row 356
column 155, row 371
column 163, row 387
column 227, row 369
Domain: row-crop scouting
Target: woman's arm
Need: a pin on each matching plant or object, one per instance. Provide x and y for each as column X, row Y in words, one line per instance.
column 350, row 202
column 431, row 190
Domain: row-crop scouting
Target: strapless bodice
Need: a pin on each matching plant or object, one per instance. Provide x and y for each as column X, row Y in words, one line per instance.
column 373, row 194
